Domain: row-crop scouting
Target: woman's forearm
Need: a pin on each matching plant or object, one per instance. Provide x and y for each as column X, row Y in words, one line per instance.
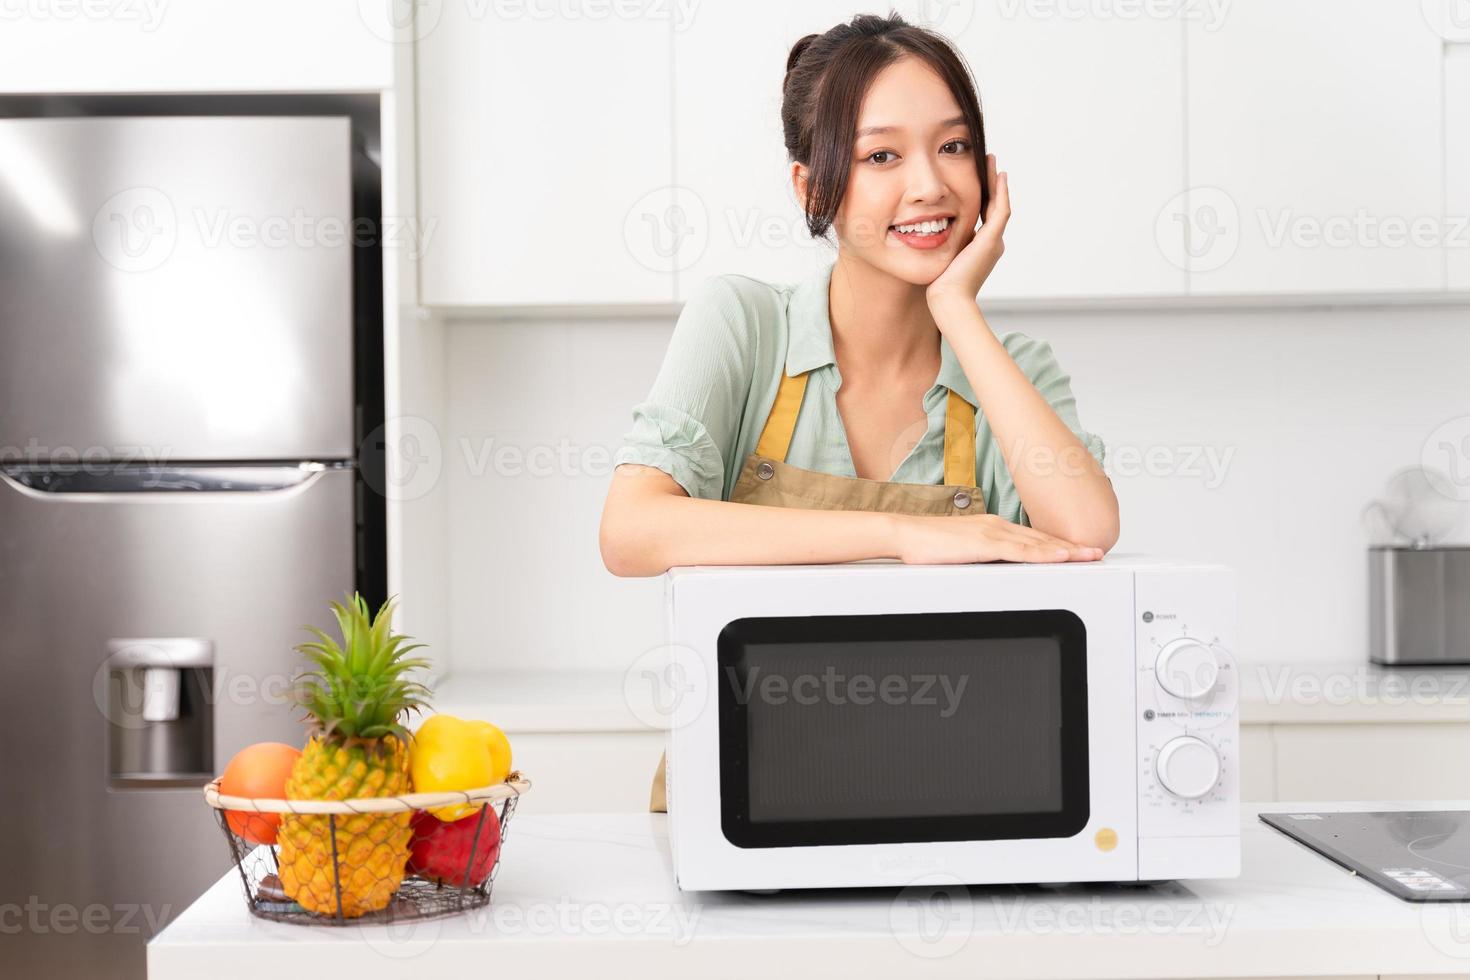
column 1061, row 485
column 647, row 534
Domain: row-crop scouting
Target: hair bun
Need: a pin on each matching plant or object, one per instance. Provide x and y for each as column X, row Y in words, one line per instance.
column 796, row 51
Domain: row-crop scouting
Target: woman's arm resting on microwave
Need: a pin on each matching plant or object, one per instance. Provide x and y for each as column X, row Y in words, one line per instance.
column 1061, row 485
column 650, row 524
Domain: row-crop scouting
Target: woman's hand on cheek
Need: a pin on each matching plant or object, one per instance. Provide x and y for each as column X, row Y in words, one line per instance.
column 968, row 270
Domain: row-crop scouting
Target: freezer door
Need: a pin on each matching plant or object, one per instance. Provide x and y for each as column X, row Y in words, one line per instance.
column 228, row 577
column 175, row 288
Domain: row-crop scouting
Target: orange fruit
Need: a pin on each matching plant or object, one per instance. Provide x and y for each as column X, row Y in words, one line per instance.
column 258, row 772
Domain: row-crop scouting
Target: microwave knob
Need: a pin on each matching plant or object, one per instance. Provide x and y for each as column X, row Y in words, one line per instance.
column 1188, row 767
column 1187, row 669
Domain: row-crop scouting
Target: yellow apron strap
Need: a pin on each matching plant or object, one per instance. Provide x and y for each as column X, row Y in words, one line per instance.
column 775, row 438
column 959, row 430
column 959, row 442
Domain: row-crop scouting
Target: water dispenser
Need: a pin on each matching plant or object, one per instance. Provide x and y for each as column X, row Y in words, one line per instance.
column 160, row 712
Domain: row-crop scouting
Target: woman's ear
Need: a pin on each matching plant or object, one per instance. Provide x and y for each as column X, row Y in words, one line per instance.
column 798, row 184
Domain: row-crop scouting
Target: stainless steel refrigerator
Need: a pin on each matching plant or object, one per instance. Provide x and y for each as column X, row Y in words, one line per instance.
column 180, row 399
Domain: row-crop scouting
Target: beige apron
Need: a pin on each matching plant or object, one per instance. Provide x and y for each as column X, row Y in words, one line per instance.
column 766, row 478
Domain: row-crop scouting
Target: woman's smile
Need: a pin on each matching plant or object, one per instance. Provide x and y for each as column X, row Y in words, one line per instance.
column 923, row 235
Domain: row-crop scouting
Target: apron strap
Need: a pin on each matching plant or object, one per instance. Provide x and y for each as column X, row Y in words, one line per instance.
column 959, row 442
column 775, row 438
column 959, row 430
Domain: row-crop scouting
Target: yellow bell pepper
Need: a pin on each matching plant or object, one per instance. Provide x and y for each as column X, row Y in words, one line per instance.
column 451, row 754
column 499, row 747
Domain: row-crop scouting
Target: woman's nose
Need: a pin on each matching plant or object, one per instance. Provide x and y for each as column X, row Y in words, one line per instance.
column 925, row 183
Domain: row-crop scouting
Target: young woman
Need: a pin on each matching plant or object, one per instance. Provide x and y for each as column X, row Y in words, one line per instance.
column 869, row 411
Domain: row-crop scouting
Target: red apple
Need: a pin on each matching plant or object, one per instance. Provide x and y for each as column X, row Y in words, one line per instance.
column 441, row 851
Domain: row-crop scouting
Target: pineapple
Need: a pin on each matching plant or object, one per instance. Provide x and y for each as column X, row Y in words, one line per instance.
column 358, row 747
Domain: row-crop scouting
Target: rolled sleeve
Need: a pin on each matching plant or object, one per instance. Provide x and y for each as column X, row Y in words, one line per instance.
column 677, row 443
column 689, row 424
column 1094, row 445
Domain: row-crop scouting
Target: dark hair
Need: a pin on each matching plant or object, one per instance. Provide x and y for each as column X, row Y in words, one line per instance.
column 827, row 76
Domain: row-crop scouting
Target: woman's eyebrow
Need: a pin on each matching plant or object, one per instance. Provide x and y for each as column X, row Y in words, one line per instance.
column 875, row 130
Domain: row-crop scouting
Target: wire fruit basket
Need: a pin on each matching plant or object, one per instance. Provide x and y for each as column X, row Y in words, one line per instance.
column 367, row 860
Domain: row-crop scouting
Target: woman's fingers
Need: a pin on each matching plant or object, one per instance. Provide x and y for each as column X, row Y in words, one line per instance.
column 1040, row 551
column 998, row 211
column 990, row 181
column 982, row 538
column 1051, row 542
column 1002, row 203
column 1035, row 534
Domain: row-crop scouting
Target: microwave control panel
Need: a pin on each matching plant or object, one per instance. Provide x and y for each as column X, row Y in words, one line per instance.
column 1188, row 746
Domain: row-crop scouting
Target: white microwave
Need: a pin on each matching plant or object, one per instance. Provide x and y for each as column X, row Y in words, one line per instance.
column 874, row 723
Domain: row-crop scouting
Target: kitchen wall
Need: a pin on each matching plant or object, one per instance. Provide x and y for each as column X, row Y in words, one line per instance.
column 1253, row 437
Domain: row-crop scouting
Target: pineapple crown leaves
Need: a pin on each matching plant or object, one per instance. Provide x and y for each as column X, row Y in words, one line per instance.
column 358, row 691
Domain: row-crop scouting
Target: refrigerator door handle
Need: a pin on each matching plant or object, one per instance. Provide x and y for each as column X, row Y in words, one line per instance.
column 120, row 480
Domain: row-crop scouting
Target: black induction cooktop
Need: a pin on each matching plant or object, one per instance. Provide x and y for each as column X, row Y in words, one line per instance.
column 1416, row 855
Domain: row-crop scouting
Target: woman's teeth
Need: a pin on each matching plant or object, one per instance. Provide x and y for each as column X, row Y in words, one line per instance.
column 924, row 227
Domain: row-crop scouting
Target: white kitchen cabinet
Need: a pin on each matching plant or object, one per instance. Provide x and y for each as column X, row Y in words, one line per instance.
column 729, row 153
column 587, row 772
column 1371, row 762
column 1457, row 164
column 1315, row 160
column 1086, row 161
column 1225, row 149
column 163, row 46
column 1354, row 761
column 1085, row 115
column 545, row 157
column 1257, row 763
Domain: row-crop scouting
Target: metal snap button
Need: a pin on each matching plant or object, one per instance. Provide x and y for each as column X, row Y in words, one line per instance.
column 962, row 500
column 765, row 471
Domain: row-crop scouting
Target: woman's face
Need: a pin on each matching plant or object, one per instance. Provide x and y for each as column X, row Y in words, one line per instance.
column 913, row 160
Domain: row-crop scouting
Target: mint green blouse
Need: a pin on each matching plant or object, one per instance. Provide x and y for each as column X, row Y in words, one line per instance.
column 719, row 377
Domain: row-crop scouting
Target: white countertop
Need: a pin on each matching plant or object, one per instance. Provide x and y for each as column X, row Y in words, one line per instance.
column 593, row 895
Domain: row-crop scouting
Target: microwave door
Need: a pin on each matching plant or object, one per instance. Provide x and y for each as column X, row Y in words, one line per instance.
column 872, row 729
column 175, row 288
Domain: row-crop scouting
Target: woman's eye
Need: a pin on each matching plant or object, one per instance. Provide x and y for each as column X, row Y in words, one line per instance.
column 962, row 145
column 879, row 153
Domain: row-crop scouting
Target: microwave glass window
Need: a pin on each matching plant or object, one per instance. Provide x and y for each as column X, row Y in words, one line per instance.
column 875, row 727
column 872, row 729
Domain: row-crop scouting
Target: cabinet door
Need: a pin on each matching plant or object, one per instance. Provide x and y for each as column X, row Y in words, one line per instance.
column 1371, row 762
column 1315, row 161
column 1085, row 115
column 1257, row 763
column 729, row 155
column 1457, row 164
column 588, row 772
column 159, row 46
column 544, row 156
